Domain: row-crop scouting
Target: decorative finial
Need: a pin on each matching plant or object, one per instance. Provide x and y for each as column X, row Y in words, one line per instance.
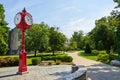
column 24, row 10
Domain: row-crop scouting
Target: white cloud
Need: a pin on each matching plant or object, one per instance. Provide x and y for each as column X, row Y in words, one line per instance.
column 67, row 8
column 76, row 25
column 20, row 5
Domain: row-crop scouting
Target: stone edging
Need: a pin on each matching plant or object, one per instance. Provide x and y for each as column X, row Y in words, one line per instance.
column 80, row 74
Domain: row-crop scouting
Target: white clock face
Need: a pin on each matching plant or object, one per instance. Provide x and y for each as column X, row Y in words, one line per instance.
column 28, row 19
column 17, row 18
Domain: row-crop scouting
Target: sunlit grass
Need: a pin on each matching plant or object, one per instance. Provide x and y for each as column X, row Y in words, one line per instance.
column 88, row 56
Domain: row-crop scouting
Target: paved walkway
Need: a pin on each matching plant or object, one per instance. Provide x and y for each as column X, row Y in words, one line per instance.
column 36, row 73
column 97, row 70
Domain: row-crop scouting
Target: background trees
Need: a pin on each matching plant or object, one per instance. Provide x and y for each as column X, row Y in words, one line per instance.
column 41, row 37
column 57, row 40
column 37, row 38
column 103, row 34
column 77, row 40
column 4, row 30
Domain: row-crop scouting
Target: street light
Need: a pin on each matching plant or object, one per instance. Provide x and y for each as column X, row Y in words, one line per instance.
column 116, row 33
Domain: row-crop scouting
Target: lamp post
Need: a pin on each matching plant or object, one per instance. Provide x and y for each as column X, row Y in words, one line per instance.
column 116, row 33
column 23, row 20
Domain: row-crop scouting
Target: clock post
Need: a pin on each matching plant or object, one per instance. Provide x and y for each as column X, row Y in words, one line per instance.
column 23, row 20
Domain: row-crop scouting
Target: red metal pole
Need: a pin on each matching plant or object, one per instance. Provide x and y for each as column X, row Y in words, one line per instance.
column 22, row 56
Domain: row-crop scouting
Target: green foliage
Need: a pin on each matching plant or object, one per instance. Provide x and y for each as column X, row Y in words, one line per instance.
column 77, row 40
column 95, row 52
column 63, row 58
column 57, row 62
column 4, row 30
column 100, row 45
column 36, row 61
column 37, row 38
column 113, row 56
column 3, row 47
column 103, row 57
column 8, row 61
column 40, row 37
column 87, row 48
column 103, row 33
column 57, row 40
column 118, row 3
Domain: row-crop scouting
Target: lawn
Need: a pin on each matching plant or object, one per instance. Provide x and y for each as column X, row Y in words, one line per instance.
column 88, row 56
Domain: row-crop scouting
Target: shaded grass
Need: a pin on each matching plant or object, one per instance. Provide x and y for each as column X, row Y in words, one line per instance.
column 88, row 56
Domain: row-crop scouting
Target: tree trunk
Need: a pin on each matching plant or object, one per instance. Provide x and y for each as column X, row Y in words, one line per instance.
column 35, row 53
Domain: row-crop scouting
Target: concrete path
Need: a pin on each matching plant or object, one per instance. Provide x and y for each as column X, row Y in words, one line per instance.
column 36, row 73
column 97, row 70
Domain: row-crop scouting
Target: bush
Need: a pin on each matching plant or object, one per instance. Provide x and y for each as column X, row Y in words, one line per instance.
column 95, row 52
column 87, row 48
column 3, row 47
column 113, row 56
column 36, row 61
column 4, row 62
column 103, row 57
column 65, row 58
column 57, row 62
column 49, row 58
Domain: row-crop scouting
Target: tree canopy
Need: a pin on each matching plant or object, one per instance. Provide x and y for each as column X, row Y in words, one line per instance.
column 4, row 30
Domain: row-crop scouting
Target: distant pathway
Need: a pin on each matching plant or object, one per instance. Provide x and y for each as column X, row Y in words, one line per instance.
column 97, row 70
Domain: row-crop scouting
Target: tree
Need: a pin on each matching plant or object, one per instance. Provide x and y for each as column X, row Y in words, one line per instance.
column 57, row 40
column 37, row 38
column 116, row 15
column 3, row 46
column 88, row 40
column 118, row 3
column 78, row 38
column 103, row 32
column 87, row 48
column 73, row 44
column 4, row 30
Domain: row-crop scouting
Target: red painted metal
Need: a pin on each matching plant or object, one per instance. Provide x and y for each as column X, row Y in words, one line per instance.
column 22, row 55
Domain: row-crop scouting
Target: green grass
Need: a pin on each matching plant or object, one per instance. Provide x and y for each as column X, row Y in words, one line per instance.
column 88, row 56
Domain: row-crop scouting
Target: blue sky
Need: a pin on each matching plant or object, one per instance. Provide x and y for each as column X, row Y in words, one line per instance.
column 68, row 15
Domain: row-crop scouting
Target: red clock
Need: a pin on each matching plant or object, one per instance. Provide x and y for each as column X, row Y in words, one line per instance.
column 23, row 20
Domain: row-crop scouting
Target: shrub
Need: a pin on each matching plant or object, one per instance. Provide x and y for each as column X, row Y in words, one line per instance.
column 10, row 61
column 113, row 56
column 4, row 62
column 3, row 47
column 95, row 52
column 65, row 58
column 57, row 62
column 103, row 57
column 36, row 61
column 49, row 58
column 87, row 48
column 16, row 62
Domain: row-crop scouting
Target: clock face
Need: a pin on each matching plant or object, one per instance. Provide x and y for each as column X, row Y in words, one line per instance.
column 28, row 19
column 17, row 19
